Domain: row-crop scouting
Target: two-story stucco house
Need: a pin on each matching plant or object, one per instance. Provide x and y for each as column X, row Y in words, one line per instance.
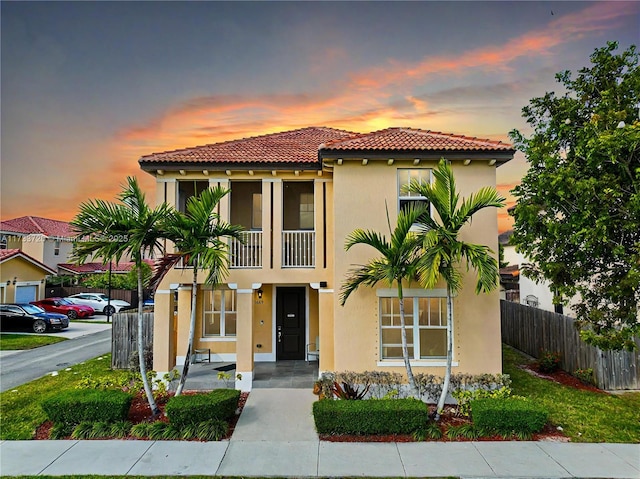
column 298, row 194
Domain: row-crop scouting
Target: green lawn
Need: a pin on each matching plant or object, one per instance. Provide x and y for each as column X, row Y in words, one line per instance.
column 26, row 341
column 20, row 411
column 585, row 416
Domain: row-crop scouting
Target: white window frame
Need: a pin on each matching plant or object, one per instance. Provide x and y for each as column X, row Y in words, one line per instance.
column 208, row 309
column 414, row 294
column 4, row 242
column 408, row 196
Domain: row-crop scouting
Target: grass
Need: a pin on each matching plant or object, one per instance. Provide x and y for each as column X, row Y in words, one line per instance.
column 26, row 341
column 584, row 416
column 75, row 476
column 20, row 411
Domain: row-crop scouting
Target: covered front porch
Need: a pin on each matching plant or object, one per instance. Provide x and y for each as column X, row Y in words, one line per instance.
column 293, row 374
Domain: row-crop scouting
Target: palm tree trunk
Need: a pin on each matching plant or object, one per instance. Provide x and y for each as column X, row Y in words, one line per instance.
column 405, row 348
column 192, row 330
column 447, row 373
column 143, row 367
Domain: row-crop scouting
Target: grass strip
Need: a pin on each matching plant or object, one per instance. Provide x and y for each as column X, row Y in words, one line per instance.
column 13, row 342
column 584, row 416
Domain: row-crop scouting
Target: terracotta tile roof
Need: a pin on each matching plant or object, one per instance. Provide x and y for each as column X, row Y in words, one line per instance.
column 504, row 238
column 38, row 225
column 7, row 254
column 292, row 147
column 411, row 139
column 122, row 267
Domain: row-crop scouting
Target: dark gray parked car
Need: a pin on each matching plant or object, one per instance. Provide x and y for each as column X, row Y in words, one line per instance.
column 28, row 317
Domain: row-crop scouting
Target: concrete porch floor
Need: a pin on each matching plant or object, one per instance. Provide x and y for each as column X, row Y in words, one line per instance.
column 296, row 374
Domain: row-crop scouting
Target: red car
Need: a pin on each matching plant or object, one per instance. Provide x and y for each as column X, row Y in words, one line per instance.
column 64, row 306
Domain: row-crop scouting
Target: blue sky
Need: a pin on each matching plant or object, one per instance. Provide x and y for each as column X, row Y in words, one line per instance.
column 89, row 87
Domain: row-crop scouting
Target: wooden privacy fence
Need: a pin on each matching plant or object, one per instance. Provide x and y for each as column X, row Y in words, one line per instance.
column 124, row 337
column 533, row 330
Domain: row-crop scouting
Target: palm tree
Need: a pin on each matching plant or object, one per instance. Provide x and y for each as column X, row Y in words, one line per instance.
column 198, row 235
column 111, row 230
column 443, row 251
column 398, row 262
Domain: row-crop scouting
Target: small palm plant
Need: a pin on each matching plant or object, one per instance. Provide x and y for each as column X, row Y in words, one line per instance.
column 398, row 262
column 443, row 251
column 111, row 230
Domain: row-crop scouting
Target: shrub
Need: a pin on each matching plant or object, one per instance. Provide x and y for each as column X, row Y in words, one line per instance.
column 548, row 362
column 192, row 409
column 465, row 396
column 585, row 375
column 78, row 405
column 508, row 416
column 384, row 416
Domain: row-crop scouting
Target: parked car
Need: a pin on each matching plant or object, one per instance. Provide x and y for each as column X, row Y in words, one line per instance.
column 64, row 306
column 99, row 302
column 28, row 317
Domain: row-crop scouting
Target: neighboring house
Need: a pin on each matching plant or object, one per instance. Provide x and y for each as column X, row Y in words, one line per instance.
column 520, row 289
column 22, row 277
column 299, row 194
column 46, row 240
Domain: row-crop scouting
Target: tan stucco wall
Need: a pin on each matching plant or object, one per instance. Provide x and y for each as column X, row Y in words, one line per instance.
column 360, row 193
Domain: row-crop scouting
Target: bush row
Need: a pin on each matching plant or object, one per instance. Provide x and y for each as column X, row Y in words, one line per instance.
column 384, row 416
column 508, row 416
column 90, row 413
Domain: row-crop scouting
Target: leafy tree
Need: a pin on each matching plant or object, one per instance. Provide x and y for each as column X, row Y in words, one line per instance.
column 443, row 251
column 577, row 215
column 199, row 237
column 111, row 230
column 398, row 262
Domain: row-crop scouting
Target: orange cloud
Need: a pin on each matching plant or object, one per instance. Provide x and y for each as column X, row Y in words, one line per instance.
column 595, row 18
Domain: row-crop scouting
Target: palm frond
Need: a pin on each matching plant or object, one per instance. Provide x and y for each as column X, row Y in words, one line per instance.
column 483, row 263
column 367, row 237
column 368, row 275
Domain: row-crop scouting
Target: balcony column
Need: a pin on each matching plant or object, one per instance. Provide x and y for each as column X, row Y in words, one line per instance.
column 163, row 337
column 267, row 227
column 184, row 320
column 276, row 227
column 244, row 337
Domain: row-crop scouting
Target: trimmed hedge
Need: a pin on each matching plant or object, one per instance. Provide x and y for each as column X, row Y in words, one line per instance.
column 508, row 415
column 78, row 405
column 193, row 409
column 370, row 416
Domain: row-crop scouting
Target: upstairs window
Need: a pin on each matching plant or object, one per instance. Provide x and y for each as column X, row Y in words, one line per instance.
column 298, row 207
column 187, row 189
column 246, row 204
column 56, row 248
column 405, row 178
column 3, row 242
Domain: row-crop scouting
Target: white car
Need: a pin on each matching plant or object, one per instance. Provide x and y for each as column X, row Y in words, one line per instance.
column 99, row 302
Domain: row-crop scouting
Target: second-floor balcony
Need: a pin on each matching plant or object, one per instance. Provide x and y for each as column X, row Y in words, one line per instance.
column 248, row 252
column 298, row 249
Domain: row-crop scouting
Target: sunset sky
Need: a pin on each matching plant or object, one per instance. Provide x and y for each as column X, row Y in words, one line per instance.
column 89, row 87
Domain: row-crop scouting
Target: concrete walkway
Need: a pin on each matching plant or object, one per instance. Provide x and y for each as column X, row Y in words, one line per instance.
column 275, row 437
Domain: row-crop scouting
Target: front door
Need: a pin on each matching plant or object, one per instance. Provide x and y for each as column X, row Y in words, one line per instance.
column 290, row 323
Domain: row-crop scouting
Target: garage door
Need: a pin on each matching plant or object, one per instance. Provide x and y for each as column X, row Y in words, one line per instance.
column 26, row 294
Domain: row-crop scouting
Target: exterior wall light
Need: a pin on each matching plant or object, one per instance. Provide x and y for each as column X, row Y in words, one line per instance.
column 260, row 293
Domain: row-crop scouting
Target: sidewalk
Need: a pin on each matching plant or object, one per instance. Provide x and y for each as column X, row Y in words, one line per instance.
column 275, row 437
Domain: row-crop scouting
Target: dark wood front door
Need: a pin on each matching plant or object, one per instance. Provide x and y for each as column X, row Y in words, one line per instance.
column 290, row 323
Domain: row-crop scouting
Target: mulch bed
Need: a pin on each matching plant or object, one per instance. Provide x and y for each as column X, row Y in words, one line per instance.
column 141, row 412
column 562, row 377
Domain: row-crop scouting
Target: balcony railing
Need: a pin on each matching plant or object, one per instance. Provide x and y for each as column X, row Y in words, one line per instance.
column 298, row 249
column 249, row 254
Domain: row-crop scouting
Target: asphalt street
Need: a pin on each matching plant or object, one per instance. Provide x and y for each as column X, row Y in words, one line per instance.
column 21, row 367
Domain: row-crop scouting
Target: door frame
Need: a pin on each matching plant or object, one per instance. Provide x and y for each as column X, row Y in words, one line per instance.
column 274, row 333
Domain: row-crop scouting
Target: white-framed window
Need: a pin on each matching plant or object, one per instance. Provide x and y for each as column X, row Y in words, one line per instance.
column 56, row 248
column 219, row 313
column 405, row 178
column 306, row 211
column 3, row 242
column 256, row 211
column 425, row 320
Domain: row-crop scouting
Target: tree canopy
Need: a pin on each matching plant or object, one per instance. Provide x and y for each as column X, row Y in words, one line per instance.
column 577, row 216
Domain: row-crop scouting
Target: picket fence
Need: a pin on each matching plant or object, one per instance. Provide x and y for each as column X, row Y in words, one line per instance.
column 533, row 330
